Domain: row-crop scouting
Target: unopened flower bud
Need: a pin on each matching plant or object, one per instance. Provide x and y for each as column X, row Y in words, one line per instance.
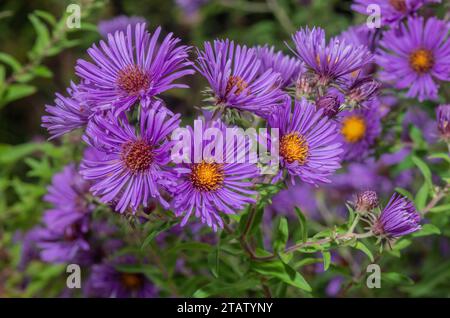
column 366, row 201
column 443, row 121
column 362, row 90
column 329, row 104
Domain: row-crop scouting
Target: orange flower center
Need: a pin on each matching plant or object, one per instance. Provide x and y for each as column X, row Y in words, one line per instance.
column 207, row 176
column 133, row 80
column 238, row 82
column 131, row 280
column 293, row 147
column 421, row 60
column 137, row 156
column 399, row 5
column 353, row 128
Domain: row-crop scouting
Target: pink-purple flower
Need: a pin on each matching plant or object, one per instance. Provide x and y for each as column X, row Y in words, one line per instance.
column 69, row 112
column 308, row 144
column 417, row 58
column 398, row 218
column 391, row 11
column 132, row 67
column 235, row 80
column 288, row 67
column 134, row 167
column 208, row 187
column 358, row 130
column 329, row 62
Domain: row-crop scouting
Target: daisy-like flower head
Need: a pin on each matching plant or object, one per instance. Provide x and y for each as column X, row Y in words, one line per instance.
column 443, row 121
column 330, row 62
column 208, row 186
column 132, row 67
column 233, row 73
column 398, row 218
column 358, row 130
column 133, row 169
column 109, row 280
column 417, row 58
column 67, row 194
column 68, row 113
column 392, row 11
column 119, row 23
column 308, row 148
column 288, row 67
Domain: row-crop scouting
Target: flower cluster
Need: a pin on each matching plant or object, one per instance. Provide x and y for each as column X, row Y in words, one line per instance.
column 327, row 103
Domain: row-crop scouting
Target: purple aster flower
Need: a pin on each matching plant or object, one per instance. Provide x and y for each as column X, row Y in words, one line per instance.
column 334, row 286
column 359, row 35
column 67, row 194
column 29, row 250
column 109, row 280
column 300, row 195
column 329, row 62
column 398, row 218
column 132, row 67
column 417, row 58
column 443, row 121
column 190, row 7
column 68, row 113
column 358, row 131
column 233, row 73
column 119, row 23
column 288, row 67
column 308, row 147
column 377, row 175
column 209, row 186
column 392, row 11
column 134, row 167
column 63, row 245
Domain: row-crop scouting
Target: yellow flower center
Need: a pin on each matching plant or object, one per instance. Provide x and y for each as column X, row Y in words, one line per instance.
column 207, row 176
column 237, row 81
column 137, row 156
column 293, row 147
column 353, row 128
column 132, row 79
column 421, row 60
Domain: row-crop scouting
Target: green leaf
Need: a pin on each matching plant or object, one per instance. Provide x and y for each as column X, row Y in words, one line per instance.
column 441, row 208
column 281, row 235
column 425, row 170
column 17, row 91
column 441, row 155
column 159, row 228
column 422, row 196
column 190, row 246
column 303, row 225
column 427, row 229
column 360, row 246
column 326, row 260
column 279, row 270
column 214, row 261
column 42, row 71
column 43, row 35
column 11, row 61
column 396, row 278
